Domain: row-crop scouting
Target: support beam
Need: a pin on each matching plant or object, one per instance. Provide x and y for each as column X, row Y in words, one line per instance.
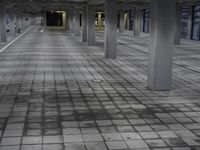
column 3, row 24
column 110, row 45
column 190, row 23
column 70, row 21
column 76, row 22
column 99, row 25
column 45, row 20
column 0, row 34
column 12, row 25
column 128, row 21
column 142, row 20
column 32, row 19
column 18, row 21
column 91, row 25
column 23, row 27
column 84, row 24
column 122, row 22
column 177, row 21
column 137, row 22
column 162, row 31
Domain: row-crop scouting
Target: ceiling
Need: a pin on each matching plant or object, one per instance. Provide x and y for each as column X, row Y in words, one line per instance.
column 38, row 5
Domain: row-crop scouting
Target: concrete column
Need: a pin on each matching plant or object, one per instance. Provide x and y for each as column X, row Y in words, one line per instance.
column 162, row 31
column 32, row 16
column 141, row 21
column 99, row 25
column 3, row 24
column 12, row 25
column 70, row 21
column 190, row 23
column 110, row 46
column 22, row 21
column 45, row 20
column 137, row 22
column 18, row 21
column 0, row 34
column 76, row 22
column 122, row 22
column 128, row 21
column 67, row 21
column 91, row 25
column 84, row 23
column 177, row 21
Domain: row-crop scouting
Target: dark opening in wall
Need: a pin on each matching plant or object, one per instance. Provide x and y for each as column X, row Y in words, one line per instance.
column 184, row 21
column 54, row 19
column 146, row 20
column 196, row 23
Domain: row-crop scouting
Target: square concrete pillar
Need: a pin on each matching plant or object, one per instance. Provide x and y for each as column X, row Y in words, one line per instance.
column 84, row 24
column 137, row 22
column 76, row 22
column 122, row 22
column 18, row 21
column 110, row 45
column 162, row 32
column 190, row 23
column 45, row 19
column 23, row 25
column 24, row 22
column 142, row 20
column 128, row 21
column 91, row 25
column 70, row 21
column 3, row 24
column 32, row 19
column 177, row 21
column 0, row 34
column 12, row 22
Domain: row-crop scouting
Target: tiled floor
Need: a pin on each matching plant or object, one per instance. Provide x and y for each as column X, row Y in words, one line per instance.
column 56, row 93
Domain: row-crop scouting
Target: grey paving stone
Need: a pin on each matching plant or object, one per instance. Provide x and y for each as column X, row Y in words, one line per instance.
column 12, row 133
column 73, row 138
column 92, row 138
column 52, row 139
column 31, row 147
column 53, row 147
column 9, row 147
column 10, row 141
column 96, row 146
column 137, row 144
column 75, row 146
column 116, row 145
column 32, row 140
column 155, row 143
column 149, row 135
column 112, row 137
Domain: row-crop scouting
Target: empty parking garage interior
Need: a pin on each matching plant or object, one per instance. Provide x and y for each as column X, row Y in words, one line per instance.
column 99, row 74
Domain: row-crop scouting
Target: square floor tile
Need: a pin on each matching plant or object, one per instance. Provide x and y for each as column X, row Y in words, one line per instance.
column 11, row 141
column 53, row 147
column 31, row 147
column 116, row 145
column 72, row 138
column 136, row 144
column 75, row 146
column 32, row 140
column 52, row 139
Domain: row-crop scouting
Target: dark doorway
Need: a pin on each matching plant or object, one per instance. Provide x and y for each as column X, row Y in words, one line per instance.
column 196, row 23
column 54, row 19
